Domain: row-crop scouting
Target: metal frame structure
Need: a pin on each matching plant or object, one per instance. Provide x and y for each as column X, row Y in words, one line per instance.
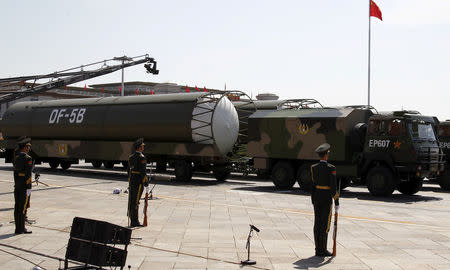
column 215, row 97
column 296, row 104
column 59, row 79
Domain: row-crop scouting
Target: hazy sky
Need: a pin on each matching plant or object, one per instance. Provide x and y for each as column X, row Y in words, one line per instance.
column 296, row 49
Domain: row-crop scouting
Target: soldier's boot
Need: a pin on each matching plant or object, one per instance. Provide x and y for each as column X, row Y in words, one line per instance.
column 324, row 239
column 317, row 243
column 134, row 219
column 19, row 228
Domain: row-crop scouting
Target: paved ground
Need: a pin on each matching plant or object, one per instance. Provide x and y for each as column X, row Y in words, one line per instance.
column 204, row 225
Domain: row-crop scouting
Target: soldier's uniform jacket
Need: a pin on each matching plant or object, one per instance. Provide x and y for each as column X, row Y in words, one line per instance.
column 23, row 166
column 137, row 167
column 324, row 187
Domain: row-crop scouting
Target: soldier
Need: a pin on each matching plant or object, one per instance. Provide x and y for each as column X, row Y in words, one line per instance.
column 137, row 179
column 16, row 153
column 23, row 166
column 323, row 176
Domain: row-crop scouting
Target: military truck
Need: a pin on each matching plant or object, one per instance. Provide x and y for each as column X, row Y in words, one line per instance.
column 444, row 141
column 383, row 151
column 183, row 129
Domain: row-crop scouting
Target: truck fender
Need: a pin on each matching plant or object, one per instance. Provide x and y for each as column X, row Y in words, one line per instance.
column 377, row 159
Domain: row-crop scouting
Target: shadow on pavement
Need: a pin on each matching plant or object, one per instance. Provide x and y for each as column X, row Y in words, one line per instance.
column 5, row 236
column 360, row 195
column 312, row 262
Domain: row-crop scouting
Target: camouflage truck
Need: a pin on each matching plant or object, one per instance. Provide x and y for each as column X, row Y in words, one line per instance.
column 444, row 141
column 383, row 151
column 183, row 129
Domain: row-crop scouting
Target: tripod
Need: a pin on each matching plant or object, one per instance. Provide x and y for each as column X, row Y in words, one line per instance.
column 247, row 246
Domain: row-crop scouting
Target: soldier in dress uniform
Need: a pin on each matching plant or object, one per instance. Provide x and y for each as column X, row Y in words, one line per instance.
column 137, row 180
column 324, row 189
column 23, row 166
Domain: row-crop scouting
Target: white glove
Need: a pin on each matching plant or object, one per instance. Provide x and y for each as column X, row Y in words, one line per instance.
column 28, row 192
column 147, row 189
column 336, row 208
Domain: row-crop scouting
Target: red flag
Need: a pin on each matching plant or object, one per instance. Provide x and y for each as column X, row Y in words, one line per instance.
column 137, row 93
column 103, row 89
column 120, row 89
column 187, row 89
column 196, row 88
column 151, row 92
column 84, row 86
column 204, row 89
column 375, row 10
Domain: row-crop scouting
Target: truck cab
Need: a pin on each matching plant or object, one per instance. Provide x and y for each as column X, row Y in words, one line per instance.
column 443, row 131
column 400, row 150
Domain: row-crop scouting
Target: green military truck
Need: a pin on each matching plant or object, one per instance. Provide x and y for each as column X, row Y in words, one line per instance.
column 184, row 130
column 444, row 142
column 388, row 151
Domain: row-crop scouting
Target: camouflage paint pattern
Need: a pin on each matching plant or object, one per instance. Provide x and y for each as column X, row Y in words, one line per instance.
column 295, row 134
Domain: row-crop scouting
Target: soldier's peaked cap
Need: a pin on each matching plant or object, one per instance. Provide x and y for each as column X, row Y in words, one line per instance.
column 22, row 141
column 138, row 143
column 323, row 148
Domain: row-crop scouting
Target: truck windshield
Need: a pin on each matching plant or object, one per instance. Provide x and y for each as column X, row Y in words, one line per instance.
column 421, row 131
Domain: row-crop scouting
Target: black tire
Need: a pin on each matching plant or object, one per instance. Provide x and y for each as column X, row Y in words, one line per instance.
column 125, row 165
column 161, row 167
column 283, row 175
column 54, row 164
column 380, row 181
column 65, row 165
column 183, row 170
column 96, row 164
column 410, row 187
column 303, row 177
column 221, row 173
column 444, row 180
column 108, row 164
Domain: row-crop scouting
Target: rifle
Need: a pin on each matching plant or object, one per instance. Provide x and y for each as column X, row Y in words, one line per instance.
column 146, row 205
column 145, row 210
column 335, row 223
column 335, row 232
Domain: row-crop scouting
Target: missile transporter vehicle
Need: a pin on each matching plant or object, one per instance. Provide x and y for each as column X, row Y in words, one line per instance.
column 181, row 129
column 383, row 151
column 444, row 141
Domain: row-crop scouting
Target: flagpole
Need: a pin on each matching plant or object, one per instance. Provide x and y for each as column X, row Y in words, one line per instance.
column 368, row 69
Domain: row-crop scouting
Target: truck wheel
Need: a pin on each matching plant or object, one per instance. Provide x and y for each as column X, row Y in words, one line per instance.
column 303, row 177
column 283, row 175
column 108, row 164
column 183, row 170
column 380, row 181
column 125, row 165
column 221, row 173
column 54, row 164
column 410, row 187
column 96, row 164
column 65, row 165
column 444, row 180
column 161, row 166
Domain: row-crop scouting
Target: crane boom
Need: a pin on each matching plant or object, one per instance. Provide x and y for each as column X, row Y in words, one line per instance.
column 68, row 76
